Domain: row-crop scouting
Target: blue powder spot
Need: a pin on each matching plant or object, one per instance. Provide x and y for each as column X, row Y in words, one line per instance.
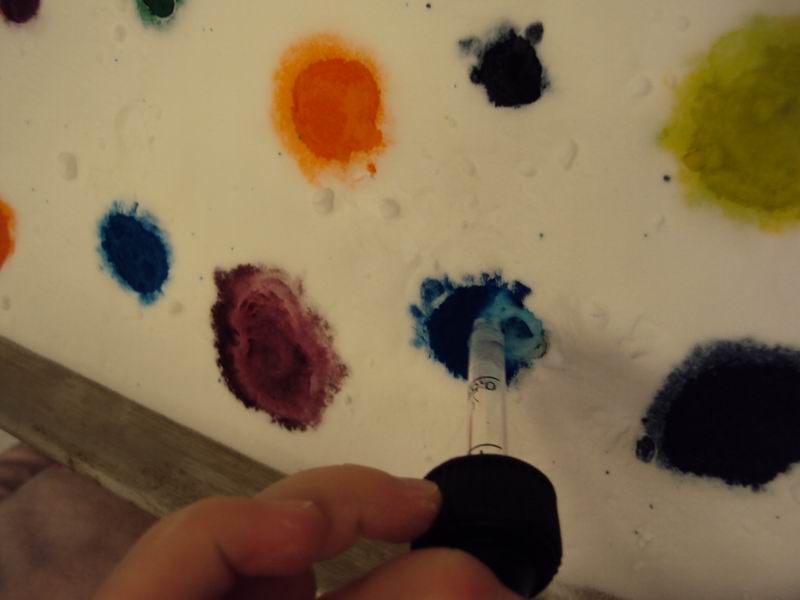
column 731, row 411
column 444, row 316
column 135, row 251
column 157, row 12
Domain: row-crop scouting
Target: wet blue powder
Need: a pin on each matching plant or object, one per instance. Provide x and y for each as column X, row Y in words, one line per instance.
column 444, row 316
column 135, row 251
column 731, row 411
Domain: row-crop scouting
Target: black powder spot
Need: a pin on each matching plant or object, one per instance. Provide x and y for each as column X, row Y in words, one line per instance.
column 730, row 411
column 508, row 66
column 667, row 178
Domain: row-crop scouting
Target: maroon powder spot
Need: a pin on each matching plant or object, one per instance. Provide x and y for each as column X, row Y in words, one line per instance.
column 19, row 11
column 275, row 353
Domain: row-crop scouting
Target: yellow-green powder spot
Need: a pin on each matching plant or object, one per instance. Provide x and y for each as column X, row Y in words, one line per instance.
column 736, row 124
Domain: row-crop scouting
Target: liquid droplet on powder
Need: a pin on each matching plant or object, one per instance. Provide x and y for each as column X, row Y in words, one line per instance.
column 444, row 317
column 69, row 165
column 566, row 154
column 328, row 107
column 390, row 209
column 135, row 251
column 736, row 123
column 527, row 169
column 275, row 353
column 324, row 201
column 639, row 86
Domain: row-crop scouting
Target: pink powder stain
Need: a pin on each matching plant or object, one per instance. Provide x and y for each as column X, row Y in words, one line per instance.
column 275, row 353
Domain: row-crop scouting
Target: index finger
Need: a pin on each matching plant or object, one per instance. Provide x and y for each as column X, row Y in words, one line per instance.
column 200, row 552
column 360, row 501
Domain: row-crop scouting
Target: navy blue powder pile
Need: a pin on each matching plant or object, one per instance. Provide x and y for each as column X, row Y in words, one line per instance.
column 135, row 251
column 509, row 67
column 730, row 411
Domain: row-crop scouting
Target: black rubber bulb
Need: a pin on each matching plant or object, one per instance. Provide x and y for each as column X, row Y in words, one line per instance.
column 503, row 512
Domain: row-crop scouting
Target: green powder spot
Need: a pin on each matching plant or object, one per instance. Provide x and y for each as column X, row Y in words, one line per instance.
column 736, row 123
column 157, row 12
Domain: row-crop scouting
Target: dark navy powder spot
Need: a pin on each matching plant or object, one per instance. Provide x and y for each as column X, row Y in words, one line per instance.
column 19, row 11
column 730, row 411
column 446, row 311
column 135, row 251
column 508, row 66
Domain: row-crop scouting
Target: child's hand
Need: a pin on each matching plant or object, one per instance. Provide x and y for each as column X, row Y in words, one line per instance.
column 264, row 547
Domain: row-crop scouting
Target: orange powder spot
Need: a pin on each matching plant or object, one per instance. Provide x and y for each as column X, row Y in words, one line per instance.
column 327, row 107
column 7, row 225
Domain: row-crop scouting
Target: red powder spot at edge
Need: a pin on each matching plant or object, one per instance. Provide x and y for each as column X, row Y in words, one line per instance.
column 19, row 11
column 7, row 226
column 328, row 107
column 275, row 353
column 371, row 168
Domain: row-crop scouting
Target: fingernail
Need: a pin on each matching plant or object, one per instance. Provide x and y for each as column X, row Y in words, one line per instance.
column 421, row 490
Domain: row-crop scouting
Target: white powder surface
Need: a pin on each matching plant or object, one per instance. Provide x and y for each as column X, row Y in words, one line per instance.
column 627, row 278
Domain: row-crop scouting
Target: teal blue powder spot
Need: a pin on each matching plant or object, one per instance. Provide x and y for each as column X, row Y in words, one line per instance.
column 135, row 251
column 157, row 12
column 446, row 310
